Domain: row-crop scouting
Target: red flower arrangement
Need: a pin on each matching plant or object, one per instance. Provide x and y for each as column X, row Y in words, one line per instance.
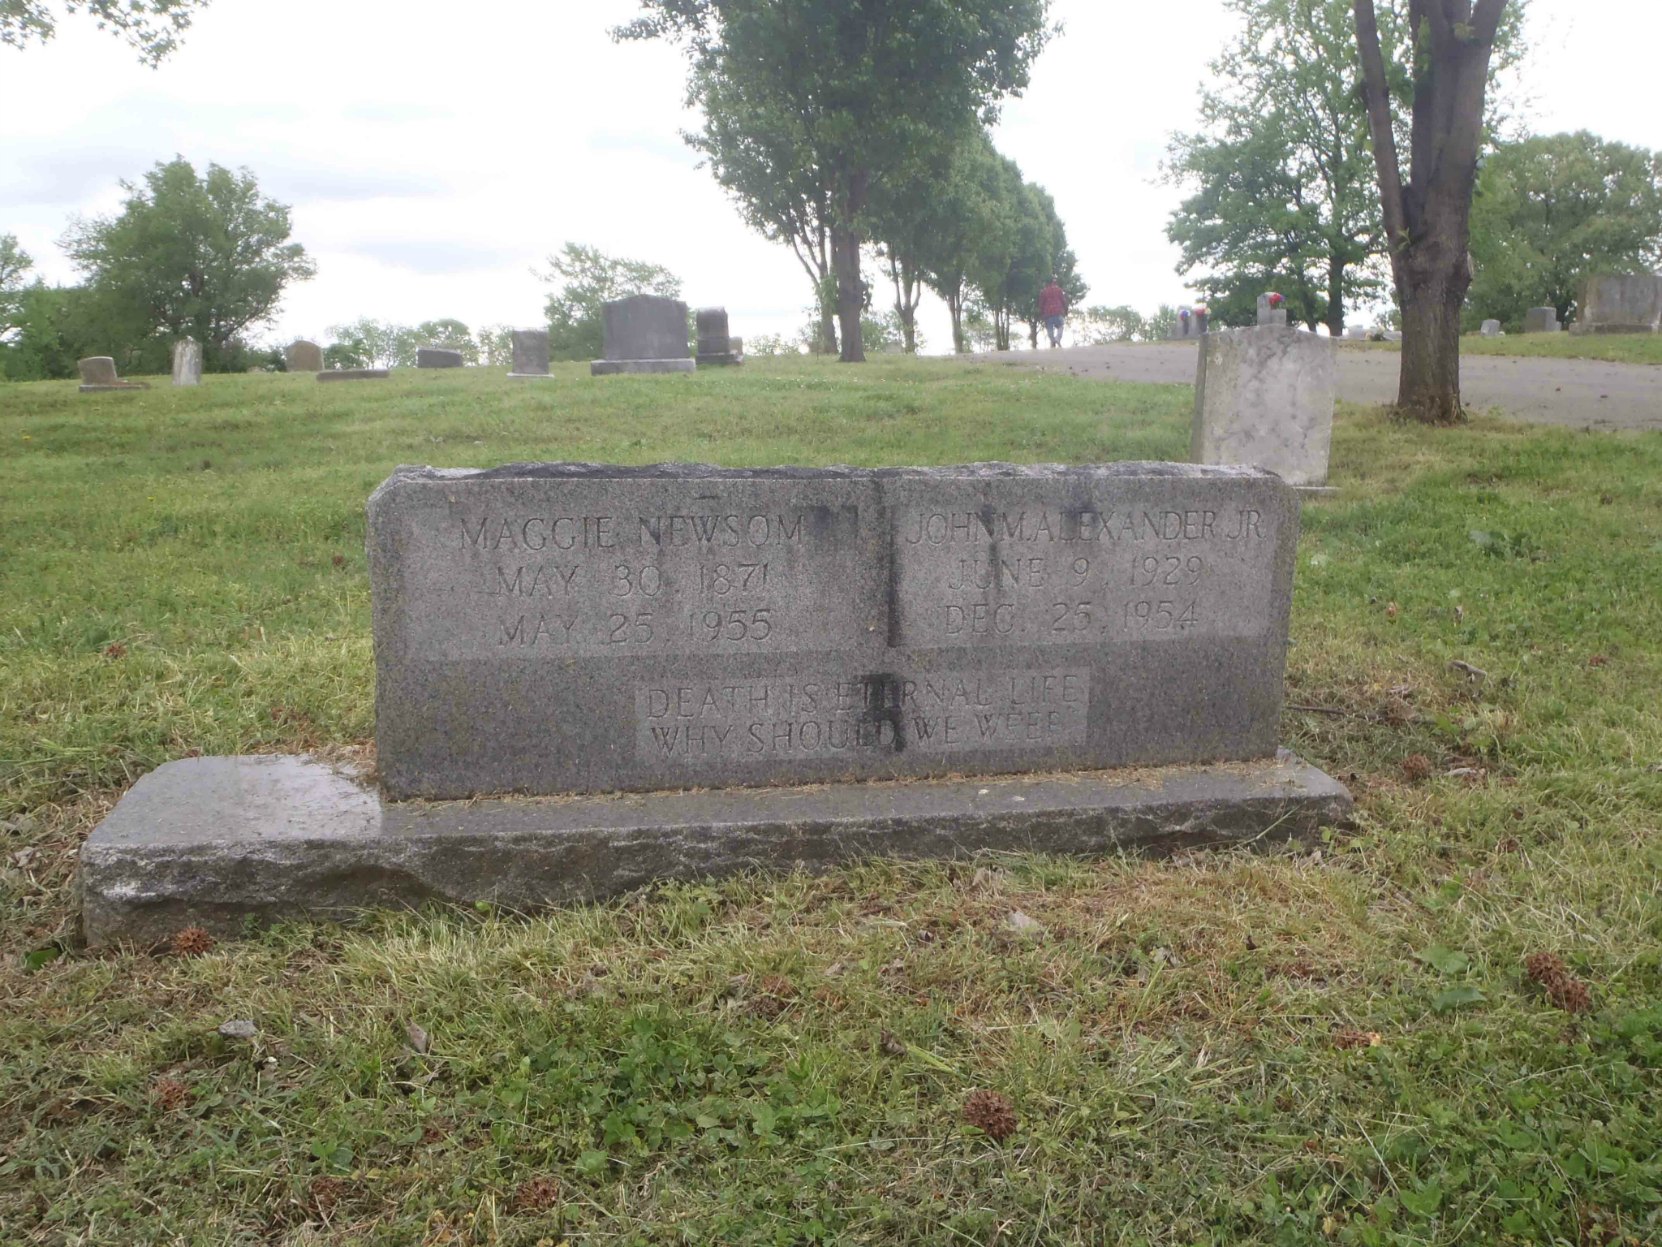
column 1274, row 298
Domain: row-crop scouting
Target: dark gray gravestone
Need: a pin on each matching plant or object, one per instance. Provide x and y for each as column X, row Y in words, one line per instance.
column 1620, row 305
column 715, row 345
column 644, row 333
column 1541, row 320
column 530, row 353
column 304, row 356
column 98, row 376
column 1268, row 315
column 550, row 628
column 438, row 357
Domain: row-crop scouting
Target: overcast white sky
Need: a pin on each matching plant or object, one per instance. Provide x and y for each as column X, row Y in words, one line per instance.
column 435, row 154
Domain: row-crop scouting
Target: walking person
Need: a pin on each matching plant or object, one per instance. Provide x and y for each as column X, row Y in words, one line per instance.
column 1053, row 307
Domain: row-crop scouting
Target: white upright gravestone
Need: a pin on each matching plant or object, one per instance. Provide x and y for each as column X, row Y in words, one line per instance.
column 1264, row 397
column 187, row 362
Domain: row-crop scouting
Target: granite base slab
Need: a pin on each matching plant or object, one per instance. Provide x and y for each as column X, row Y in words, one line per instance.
column 228, row 841
column 530, row 376
column 354, row 374
column 118, row 387
column 723, row 359
column 612, row 367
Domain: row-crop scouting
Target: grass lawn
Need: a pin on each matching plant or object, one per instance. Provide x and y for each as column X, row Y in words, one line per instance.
column 1338, row 1046
column 1623, row 348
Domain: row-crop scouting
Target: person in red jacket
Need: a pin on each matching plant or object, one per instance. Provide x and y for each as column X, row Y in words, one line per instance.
column 1053, row 306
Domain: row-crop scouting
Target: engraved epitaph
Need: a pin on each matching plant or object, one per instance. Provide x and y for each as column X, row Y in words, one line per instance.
column 546, row 628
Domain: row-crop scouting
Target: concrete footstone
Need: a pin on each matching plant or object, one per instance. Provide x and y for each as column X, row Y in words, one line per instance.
column 224, row 842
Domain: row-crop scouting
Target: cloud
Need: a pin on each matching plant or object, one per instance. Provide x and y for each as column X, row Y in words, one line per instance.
column 436, row 256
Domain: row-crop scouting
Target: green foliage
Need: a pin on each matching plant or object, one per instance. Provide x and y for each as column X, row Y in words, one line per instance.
column 1158, row 327
column 151, row 27
column 205, row 257
column 14, row 264
column 1025, row 246
column 811, row 104
column 587, row 278
column 1098, row 326
column 382, row 344
column 1285, row 192
column 1552, row 210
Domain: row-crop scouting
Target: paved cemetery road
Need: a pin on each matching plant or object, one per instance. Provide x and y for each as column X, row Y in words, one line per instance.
column 1578, row 393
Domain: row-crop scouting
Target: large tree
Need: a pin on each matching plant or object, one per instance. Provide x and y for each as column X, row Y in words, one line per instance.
column 1551, row 210
column 1285, row 195
column 760, row 155
column 151, row 27
column 205, row 257
column 1426, row 201
column 870, row 83
column 587, row 277
column 952, row 223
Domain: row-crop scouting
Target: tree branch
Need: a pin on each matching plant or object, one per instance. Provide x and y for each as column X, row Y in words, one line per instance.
column 1377, row 94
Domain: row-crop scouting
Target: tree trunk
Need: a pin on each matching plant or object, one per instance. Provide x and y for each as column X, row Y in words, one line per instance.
column 1428, row 217
column 1432, row 278
column 955, row 308
column 845, row 261
column 827, row 328
column 1335, row 297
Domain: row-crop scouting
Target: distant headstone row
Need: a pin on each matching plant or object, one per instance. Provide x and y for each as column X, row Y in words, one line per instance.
column 1190, row 323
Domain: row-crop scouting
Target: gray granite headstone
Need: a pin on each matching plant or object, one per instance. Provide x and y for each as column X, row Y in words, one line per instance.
column 715, row 344
column 187, row 362
column 1202, row 320
column 304, row 356
column 1356, row 333
column 644, row 333
column 438, row 357
column 1264, row 396
column 1490, row 329
column 1541, row 320
column 98, row 376
column 1620, row 305
column 530, row 353
column 550, row 628
column 97, row 370
column 1268, row 315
